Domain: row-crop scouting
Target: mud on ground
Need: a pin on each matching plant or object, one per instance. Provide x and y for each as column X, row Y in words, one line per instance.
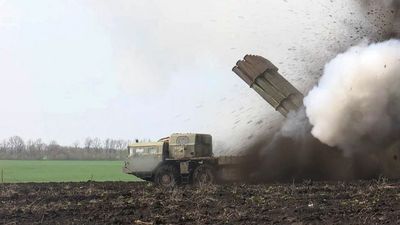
column 362, row 202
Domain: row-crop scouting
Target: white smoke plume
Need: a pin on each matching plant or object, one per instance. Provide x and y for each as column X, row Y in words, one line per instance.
column 356, row 103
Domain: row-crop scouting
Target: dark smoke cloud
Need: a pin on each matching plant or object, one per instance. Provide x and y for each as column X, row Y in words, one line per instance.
column 293, row 154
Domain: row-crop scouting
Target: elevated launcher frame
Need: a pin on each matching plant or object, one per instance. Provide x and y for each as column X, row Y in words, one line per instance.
column 263, row 77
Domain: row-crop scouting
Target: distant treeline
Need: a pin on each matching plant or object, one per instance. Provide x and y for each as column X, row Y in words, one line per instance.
column 92, row 149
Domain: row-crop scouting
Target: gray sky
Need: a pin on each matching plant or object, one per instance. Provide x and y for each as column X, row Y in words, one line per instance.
column 144, row 69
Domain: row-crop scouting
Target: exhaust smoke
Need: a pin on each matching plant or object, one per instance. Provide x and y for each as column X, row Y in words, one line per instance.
column 356, row 104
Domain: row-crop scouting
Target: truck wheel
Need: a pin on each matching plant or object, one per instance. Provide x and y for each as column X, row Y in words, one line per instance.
column 166, row 176
column 203, row 175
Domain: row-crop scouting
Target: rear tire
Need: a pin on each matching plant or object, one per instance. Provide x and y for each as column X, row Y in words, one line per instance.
column 203, row 175
column 166, row 176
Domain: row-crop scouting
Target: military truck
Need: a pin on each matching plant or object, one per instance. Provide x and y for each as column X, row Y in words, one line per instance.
column 182, row 158
column 188, row 158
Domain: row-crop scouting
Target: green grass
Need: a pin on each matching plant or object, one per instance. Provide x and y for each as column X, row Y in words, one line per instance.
column 16, row 171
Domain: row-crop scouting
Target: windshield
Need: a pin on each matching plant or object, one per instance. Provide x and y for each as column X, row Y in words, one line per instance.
column 138, row 151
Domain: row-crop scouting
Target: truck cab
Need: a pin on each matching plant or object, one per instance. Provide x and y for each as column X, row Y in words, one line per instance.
column 143, row 158
column 179, row 158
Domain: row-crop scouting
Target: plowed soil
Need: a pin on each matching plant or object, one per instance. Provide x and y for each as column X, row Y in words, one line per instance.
column 362, row 202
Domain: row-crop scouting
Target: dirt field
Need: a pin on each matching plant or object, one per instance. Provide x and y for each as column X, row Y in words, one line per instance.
column 363, row 202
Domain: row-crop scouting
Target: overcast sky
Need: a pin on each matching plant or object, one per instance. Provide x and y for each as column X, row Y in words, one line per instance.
column 144, row 69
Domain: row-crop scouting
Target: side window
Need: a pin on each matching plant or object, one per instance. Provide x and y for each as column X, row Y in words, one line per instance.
column 152, row 150
column 140, row 151
column 137, row 151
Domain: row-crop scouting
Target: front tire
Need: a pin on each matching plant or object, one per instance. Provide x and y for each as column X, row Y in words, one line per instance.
column 166, row 176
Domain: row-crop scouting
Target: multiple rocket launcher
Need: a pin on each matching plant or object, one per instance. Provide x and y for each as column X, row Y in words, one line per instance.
column 263, row 77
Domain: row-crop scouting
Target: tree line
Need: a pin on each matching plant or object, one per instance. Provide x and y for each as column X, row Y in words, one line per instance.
column 91, row 149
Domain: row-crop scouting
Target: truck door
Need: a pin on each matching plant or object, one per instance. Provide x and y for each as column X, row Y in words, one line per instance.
column 165, row 151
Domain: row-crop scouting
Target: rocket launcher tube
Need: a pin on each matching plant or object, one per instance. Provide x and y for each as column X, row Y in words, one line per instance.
column 262, row 76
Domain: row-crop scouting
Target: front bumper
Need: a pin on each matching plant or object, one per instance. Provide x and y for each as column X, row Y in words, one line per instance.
column 147, row 176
